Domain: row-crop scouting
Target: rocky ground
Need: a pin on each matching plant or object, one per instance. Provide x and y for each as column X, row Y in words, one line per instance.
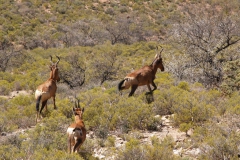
column 166, row 129
column 145, row 137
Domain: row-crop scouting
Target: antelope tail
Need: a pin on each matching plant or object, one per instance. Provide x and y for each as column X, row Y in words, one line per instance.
column 38, row 102
column 120, row 85
column 79, row 142
column 77, row 132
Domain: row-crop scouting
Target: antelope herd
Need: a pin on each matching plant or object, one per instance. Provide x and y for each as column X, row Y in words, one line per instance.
column 76, row 131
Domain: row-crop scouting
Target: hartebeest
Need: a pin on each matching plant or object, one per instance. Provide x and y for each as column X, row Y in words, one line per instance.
column 76, row 131
column 48, row 89
column 143, row 76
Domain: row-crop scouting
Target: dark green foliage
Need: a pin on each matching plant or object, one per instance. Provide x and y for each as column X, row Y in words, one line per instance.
column 157, row 150
column 184, row 86
column 5, row 87
column 221, row 140
column 231, row 79
column 56, row 23
column 106, row 110
column 99, row 43
column 233, row 105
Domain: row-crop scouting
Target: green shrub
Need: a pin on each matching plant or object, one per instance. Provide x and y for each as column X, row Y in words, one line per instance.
column 5, row 154
column 218, row 141
column 163, row 102
column 157, row 150
column 231, row 79
column 22, row 100
column 54, row 155
column 164, row 80
column 110, row 142
column 190, row 111
column 161, row 149
column 132, row 151
column 154, row 123
column 232, row 104
column 19, row 112
column 184, row 86
column 5, row 87
column 131, row 113
column 184, row 127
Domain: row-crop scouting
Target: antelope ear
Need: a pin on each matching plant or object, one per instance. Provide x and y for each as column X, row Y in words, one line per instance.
column 73, row 109
column 83, row 110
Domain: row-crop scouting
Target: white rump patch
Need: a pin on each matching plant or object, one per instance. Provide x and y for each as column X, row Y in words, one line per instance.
column 37, row 93
column 129, row 78
column 70, row 131
column 129, row 81
column 45, row 95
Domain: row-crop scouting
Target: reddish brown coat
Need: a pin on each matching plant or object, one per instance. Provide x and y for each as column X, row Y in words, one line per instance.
column 48, row 89
column 143, row 76
column 76, row 131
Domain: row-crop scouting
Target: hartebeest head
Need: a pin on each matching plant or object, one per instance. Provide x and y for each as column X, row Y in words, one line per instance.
column 54, row 70
column 77, row 111
column 158, row 60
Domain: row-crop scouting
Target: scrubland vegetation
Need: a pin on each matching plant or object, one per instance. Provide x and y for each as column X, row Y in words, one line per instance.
column 99, row 43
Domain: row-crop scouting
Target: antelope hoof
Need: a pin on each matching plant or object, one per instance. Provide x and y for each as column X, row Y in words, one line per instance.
column 147, row 93
column 38, row 120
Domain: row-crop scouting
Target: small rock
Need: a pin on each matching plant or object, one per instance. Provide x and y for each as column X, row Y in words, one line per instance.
column 3, row 134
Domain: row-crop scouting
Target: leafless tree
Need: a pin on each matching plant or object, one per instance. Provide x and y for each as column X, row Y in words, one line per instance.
column 82, row 33
column 105, row 68
column 207, row 35
column 74, row 75
column 125, row 29
column 7, row 53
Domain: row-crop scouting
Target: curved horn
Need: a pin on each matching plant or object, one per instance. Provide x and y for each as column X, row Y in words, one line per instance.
column 76, row 104
column 79, row 104
column 73, row 110
column 161, row 49
column 51, row 59
column 58, row 60
column 160, row 54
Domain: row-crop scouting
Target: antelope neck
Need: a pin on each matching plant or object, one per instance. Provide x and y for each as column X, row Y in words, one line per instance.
column 154, row 67
column 54, row 80
column 77, row 118
column 52, row 76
